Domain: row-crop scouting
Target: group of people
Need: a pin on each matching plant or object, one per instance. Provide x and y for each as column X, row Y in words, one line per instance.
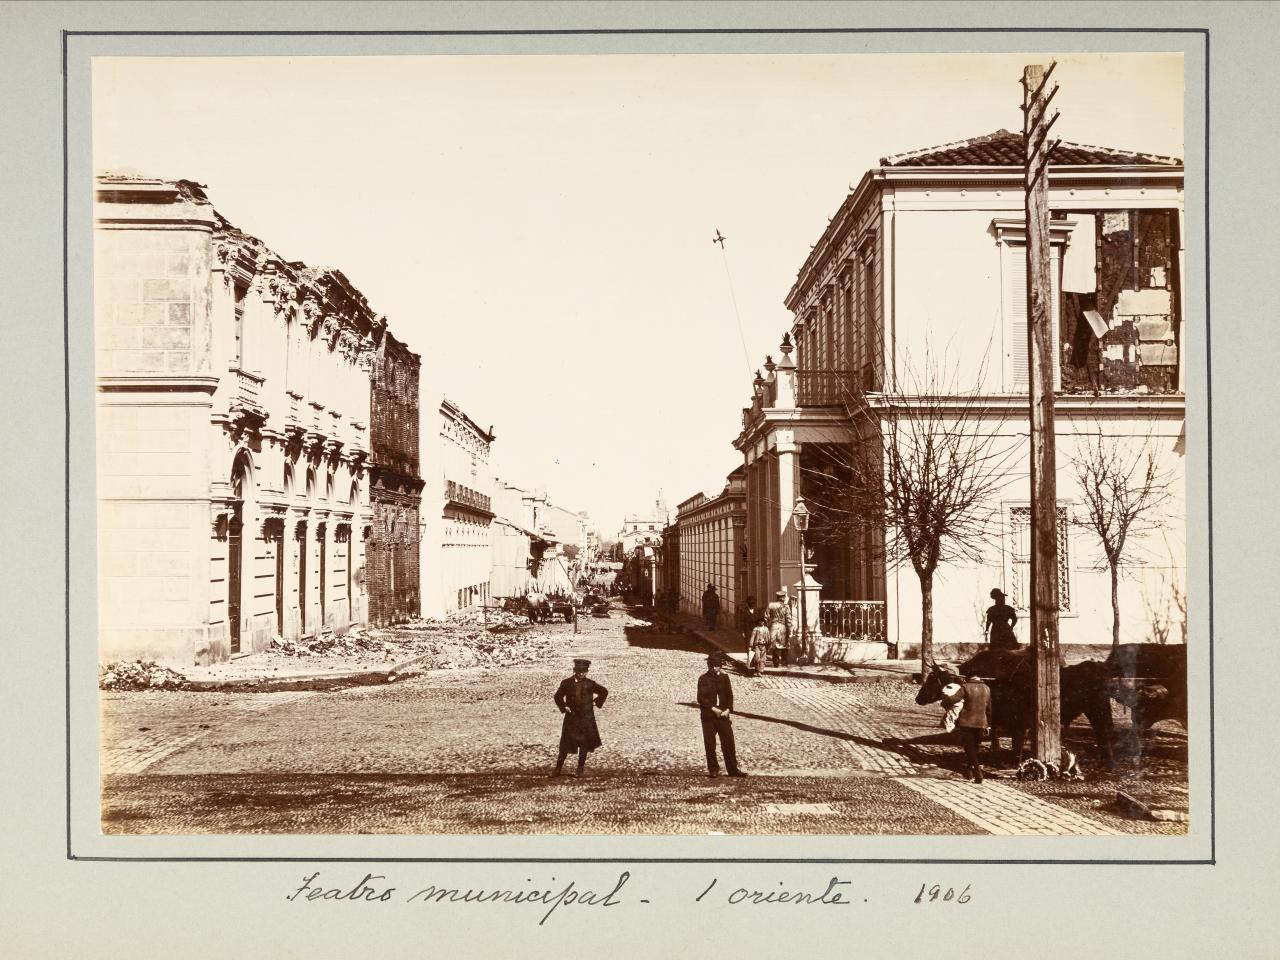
column 578, row 698
column 772, row 637
column 967, row 705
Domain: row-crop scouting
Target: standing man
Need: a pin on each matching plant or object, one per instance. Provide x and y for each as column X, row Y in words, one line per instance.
column 777, row 617
column 715, row 703
column 710, row 606
column 577, row 698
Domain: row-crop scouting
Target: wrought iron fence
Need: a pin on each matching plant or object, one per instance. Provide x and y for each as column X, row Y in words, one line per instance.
column 852, row 620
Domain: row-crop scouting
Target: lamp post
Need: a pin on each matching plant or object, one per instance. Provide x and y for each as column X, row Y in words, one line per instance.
column 800, row 518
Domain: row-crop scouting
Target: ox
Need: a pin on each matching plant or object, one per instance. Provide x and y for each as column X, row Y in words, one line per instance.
column 1083, row 689
column 1151, row 680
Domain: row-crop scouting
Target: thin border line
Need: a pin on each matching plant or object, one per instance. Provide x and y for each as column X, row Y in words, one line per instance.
column 652, row 31
column 1208, row 391
column 66, row 426
column 66, row 335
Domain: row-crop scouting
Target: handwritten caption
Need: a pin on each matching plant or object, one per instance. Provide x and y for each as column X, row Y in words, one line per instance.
column 376, row 888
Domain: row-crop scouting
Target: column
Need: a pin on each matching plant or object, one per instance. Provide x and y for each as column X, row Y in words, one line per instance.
column 788, row 490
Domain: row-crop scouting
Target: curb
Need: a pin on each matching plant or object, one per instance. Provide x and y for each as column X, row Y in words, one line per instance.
column 888, row 673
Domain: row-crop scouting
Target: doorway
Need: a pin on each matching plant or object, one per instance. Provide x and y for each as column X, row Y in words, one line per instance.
column 322, row 537
column 302, row 579
column 235, row 531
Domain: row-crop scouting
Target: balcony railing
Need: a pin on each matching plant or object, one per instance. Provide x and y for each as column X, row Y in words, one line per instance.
column 852, row 620
column 467, row 497
column 825, row 388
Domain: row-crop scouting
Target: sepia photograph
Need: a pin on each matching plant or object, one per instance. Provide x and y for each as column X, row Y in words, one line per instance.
column 674, row 445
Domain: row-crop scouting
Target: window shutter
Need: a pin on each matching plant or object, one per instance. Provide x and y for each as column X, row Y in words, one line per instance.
column 1014, row 272
column 1015, row 318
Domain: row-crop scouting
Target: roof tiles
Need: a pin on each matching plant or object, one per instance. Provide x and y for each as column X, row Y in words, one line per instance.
column 1005, row 149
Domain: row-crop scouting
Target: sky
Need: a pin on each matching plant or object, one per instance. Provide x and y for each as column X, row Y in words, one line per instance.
column 539, row 228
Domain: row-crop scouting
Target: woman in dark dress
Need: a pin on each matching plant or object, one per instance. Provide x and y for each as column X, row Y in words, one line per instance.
column 1000, row 620
column 577, row 697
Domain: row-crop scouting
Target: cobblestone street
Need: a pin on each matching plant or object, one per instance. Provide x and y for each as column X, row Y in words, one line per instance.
column 467, row 751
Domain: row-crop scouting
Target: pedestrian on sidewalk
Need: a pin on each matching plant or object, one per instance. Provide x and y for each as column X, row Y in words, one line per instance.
column 758, row 644
column 777, row 617
column 715, row 704
column 973, row 698
column 710, row 606
column 748, row 618
column 577, row 697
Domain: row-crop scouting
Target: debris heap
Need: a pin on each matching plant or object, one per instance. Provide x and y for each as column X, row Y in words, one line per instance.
column 139, row 675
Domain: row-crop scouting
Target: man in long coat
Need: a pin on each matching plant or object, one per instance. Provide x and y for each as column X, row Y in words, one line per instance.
column 577, row 697
column 710, row 606
column 715, row 704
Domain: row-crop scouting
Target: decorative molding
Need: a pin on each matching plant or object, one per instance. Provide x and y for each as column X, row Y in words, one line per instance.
column 222, row 504
column 1014, row 230
column 154, row 383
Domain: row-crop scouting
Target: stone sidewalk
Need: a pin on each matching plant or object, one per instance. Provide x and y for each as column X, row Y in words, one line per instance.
column 733, row 645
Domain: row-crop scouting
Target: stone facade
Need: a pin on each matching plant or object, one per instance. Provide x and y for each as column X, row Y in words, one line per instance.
column 711, row 539
column 395, row 486
column 233, row 432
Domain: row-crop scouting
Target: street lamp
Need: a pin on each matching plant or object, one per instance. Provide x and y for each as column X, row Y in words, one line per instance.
column 800, row 518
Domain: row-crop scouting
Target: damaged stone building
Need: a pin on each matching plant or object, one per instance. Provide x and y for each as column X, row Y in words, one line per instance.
column 923, row 267
column 235, row 398
column 394, row 547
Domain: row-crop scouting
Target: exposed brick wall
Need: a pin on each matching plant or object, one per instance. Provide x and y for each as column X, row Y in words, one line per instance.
column 394, row 408
column 392, row 558
column 392, row 565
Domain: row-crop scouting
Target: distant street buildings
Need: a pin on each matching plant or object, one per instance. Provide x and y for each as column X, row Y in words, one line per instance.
column 458, row 511
column 713, row 548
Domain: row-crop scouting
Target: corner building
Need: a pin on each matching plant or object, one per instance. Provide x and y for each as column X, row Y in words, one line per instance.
column 926, row 259
column 234, row 403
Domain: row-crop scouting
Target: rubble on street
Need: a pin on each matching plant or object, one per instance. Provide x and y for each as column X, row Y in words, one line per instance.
column 139, row 675
column 469, row 639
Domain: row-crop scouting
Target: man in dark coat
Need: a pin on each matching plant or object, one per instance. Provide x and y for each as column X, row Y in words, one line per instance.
column 710, row 606
column 974, row 721
column 577, row 697
column 715, row 703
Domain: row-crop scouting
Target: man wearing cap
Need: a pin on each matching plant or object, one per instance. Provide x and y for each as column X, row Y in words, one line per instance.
column 577, row 697
column 715, row 703
column 777, row 617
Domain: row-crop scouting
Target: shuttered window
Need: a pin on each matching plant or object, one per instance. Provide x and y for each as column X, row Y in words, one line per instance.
column 1013, row 271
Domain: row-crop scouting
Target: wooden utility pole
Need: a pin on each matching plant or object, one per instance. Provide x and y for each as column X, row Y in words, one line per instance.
column 1041, row 349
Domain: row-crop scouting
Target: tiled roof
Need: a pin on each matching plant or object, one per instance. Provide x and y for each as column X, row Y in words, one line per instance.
column 1004, row 149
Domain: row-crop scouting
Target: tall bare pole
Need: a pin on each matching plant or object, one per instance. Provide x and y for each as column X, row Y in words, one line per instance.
column 1041, row 348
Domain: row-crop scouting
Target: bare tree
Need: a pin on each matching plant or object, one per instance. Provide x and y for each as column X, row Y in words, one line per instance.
column 1123, row 489
column 922, row 469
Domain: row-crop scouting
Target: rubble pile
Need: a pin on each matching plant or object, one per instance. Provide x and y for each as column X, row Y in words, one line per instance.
column 139, row 675
column 456, row 649
column 356, row 642
column 492, row 619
